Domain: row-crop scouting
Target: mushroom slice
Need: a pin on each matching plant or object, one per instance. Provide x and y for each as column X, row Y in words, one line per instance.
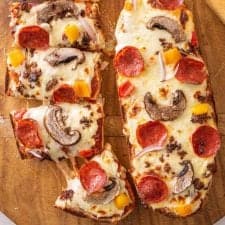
column 111, row 190
column 165, row 113
column 54, row 122
column 166, row 23
column 57, row 9
column 184, row 179
column 64, row 55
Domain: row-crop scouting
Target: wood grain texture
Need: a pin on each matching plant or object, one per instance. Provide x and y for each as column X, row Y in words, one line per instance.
column 29, row 188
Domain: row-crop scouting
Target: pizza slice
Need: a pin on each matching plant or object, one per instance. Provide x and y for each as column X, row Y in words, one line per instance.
column 57, row 74
column 98, row 190
column 61, row 23
column 167, row 105
column 59, row 131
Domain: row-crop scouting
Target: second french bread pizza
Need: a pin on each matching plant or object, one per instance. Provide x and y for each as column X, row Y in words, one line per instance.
column 167, row 105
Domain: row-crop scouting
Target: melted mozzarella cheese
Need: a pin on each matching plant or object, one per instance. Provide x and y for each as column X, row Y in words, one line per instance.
column 108, row 162
column 131, row 31
column 74, row 112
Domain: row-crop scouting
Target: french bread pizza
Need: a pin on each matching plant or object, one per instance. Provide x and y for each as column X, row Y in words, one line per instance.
column 167, row 105
column 56, row 58
column 99, row 189
column 61, row 23
column 59, row 131
column 55, row 74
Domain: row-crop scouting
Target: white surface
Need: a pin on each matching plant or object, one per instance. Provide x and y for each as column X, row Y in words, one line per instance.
column 220, row 222
column 4, row 220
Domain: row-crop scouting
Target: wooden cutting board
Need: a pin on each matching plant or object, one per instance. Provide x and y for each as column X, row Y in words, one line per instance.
column 29, row 188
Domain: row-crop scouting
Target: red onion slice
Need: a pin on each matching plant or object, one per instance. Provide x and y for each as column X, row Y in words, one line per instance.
column 148, row 149
column 87, row 27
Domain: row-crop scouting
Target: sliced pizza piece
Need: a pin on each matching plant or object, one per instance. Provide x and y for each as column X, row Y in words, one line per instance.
column 100, row 190
column 167, row 105
column 59, row 131
column 61, row 23
column 57, row 74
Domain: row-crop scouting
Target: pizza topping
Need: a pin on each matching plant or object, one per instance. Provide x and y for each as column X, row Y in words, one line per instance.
column 128, row 6
column 27, row 131
column 184, row 179
column 82, row 89
column 16, row 57
column 206, row 141
column 191, row 71
column 37, row 153
column 152, row 133
column 194, row 39
column 54, row 122
column 122, row 200
column 129, row 62
column 57, row 9
column 72, row 33
column 202, row 118
column 201, row 109
column 65, row 93
column 33, row 37
column 88, row 28
column 111, row 190
column 65, row 55
column 87, row 153
column 152, row 189
column 93, row 178
column 168, row 24
column 126, row 89
column 172, row 56
column 165, row 113
column 67, row 195
column 166, row 4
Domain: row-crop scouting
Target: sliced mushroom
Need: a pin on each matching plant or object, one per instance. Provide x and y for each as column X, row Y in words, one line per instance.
column 57, row 9
column 166, row 23
column 65, row 55
column 165, row 113
column 54, row 122
column 110, row 192
column 184, row 179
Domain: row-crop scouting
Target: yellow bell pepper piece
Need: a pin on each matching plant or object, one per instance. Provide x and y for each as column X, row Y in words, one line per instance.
column 177, row 12
column 172, row 56
column 122, row 200
column 82, row 89
column 201, row 109
column 128, row 6
column 183, row 210
column 16, row 57
column 72, row 32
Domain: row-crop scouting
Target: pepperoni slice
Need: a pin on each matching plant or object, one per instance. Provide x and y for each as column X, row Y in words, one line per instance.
column 152, row 189
column 152, row 133
column 129, row 61
column 64, row 93
column 92, row 177
column 27, row 133
column 126, row 89
column 33, row 37
column 191, row 71
column 206, row 141
column 166, row 4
